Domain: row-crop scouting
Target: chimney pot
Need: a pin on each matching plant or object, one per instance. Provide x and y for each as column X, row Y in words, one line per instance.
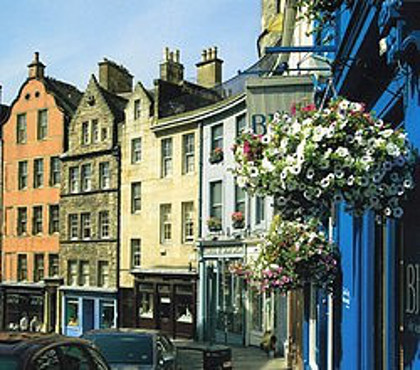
column 209, row 69
column 36, row 68
column 204, row 55
column 177, row 55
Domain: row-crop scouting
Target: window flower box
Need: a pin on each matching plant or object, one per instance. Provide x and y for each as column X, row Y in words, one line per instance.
column 216, row 155
column 214, row 224
column 238, row 220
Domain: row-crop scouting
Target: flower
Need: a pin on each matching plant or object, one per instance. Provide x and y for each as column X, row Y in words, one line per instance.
column 237, row 216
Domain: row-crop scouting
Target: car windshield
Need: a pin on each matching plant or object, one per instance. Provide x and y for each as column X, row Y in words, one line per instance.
column 8, row 362
column 127, row 349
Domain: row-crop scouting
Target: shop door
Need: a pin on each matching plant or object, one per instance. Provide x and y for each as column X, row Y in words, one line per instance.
column 88, row 315
column 230, row 319
column 164, row 309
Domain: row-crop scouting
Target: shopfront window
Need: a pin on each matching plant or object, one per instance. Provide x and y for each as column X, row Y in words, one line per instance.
column 146, row 301
column 183, row 305
column 107, row 315
column 257, row 311
column 72, row 312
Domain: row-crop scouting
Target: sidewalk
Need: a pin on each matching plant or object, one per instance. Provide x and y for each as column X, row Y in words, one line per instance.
column 243, row 358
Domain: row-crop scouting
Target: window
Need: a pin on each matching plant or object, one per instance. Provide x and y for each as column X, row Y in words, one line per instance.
column 38, row 172
column 240, row 199
column 23, row 175
column 136, row 150
column 104, row 179
column 188, row 221
column 72, row 273
column 103, row 224
column 188, row 148
column 259, row 209
column 38, row 267
column 85, row 133
column 85, row 225
column 86, row 177
column 240, row 124
column 137, row 108
column 42, row 129
column 103, row 274
column 73, row 226
column 104, row 133
column 165, row 222
column 107, row 315
column 95, row 131
column 37, row 220
column 216, row 199
column 135, row 253
column 22, row 267
column 55, row 176
column 53, row 265
column 84, row 273
column 54, row 219
column 166, row 157
column 72, row 311
column 22, row 221
column 217, row 137
column 74, row 179
column 21, row 129
column 135, row 197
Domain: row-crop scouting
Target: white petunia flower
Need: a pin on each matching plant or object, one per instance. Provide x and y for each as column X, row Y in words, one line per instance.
column 398, row 212
column 387, row 133
column 350, row 180
column 342, row 152
column 393, row 150
column 388, row 212
column 267, row 165
column 408, row 183
column 253, row 171
column 241, row 181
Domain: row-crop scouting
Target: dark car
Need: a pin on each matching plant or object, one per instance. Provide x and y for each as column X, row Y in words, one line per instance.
column 41, row 351
column 133, row 349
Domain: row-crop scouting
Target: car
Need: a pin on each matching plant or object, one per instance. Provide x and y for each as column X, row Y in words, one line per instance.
column 42, row 351
column 133, row 349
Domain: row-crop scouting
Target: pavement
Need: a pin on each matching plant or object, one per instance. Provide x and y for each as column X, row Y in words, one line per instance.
column 243, row 358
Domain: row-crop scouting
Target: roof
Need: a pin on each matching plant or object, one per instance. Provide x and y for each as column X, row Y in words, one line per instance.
column 68, row 96
column 19, row 343
column 4, row 113
column 115, row 103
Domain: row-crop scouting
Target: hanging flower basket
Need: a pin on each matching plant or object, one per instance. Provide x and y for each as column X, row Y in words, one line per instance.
column 238, row 220
column 314, row 159
column 216, row 155
column 292, row 256
column 214, row 224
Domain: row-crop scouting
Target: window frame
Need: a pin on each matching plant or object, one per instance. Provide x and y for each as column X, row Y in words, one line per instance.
column 53, row 263
column 72, row 276
column 217, row 139
column 187, row 224
column 260, row 209
column 21, row 132
column 37, row 258
column 167, row 157
column 103, row 216
column 74, row 180
column 103, row 279
column 135, row 252
column 213, row 205
column 22, row 177
column 38, row 173
column 55, row 171
column 85, row 133
column 84, row 278
column 42, row 125
column 37, row 220
column 73, row 228
column 137, row 109
column 52, row 220
column 22, row 273
column 104, row 175
column 188, row 149
column 22, row 231
column 85, row 225
column 136, row 152
column 166, row 223
column 95, row 131
column 135, row 198
column 86, row 177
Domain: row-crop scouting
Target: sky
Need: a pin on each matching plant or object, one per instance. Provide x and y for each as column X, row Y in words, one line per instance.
column 72, row 36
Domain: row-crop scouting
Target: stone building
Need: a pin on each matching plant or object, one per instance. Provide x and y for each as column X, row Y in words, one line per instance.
column 160, row 199
column 33, row 139
column 89, row 208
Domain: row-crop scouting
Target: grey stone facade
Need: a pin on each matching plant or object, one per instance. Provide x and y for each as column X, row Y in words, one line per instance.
column 101, row 112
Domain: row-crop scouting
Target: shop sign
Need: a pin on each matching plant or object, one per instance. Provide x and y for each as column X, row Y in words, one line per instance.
column 220, row 251
column 412, row 297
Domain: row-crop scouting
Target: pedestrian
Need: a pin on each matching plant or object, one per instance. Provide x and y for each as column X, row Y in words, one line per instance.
column 24, row 322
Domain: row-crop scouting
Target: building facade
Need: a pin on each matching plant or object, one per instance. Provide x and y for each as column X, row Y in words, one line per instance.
column 33, row 140
column 90, row 205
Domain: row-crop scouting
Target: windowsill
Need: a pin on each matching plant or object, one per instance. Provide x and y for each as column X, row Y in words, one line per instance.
column 189, row 242
column 136, row 212
column 189, row 173
column 23, row 189
column 39, row 187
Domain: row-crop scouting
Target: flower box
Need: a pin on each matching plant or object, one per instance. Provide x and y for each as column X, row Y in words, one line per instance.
column 238, row 220
column 214, row 224
column 216, row 155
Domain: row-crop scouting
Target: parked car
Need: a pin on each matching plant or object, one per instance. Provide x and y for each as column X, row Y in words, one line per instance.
column 41, row 351
column 132, row 349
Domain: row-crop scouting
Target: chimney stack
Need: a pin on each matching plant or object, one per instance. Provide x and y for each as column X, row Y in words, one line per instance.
column 36, row 68
column 114, row 78
column 171, row 69
column 209, row 69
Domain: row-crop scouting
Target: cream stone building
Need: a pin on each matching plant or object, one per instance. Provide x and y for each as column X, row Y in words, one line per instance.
column 160, row 197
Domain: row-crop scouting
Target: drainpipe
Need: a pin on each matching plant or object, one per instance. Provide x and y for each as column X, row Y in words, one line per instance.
column 117, row 154
column 201, row 320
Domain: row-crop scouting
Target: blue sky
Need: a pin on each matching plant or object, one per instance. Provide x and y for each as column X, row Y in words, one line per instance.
column 72, row 36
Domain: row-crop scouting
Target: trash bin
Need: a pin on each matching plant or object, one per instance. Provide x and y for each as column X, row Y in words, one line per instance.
column 215, row 357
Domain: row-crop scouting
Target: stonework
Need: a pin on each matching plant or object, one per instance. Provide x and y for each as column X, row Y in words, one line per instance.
column 93, row 141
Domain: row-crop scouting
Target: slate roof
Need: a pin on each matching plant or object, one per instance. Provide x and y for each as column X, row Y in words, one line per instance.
column 68, row 96
column 115, row 103
column 4, row 113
